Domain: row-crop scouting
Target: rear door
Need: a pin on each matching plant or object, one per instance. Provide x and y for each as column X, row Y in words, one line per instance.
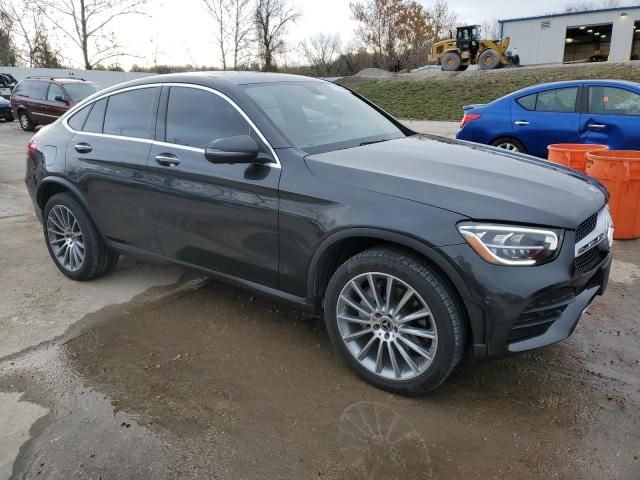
column 36, row 101
column 108, row 160
column 546, row 117
column 611, row 117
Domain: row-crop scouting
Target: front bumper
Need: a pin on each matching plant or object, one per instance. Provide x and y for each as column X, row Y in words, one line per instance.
column 514, row 309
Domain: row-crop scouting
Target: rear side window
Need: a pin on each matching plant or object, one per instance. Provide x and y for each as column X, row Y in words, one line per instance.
column 196, row 118
column 560, row 100
column 96, row 117
column 77, row 119
column 133, row 113
column 22, row 89
column 528, row 102
column 613, row 101
column 38, row 90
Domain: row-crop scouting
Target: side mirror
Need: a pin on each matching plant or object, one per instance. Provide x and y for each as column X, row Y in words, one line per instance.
column 60, row 98
column 238, row 149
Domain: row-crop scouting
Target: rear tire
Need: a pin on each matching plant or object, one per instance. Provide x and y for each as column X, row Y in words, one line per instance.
column 73, row 241
column 451, row 62
column 489, row 59
column 374, row 333
column 25, row 122
column 509, row 144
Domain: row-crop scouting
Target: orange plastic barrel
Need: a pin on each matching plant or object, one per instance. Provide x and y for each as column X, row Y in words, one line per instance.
column 573, row 155
column 619, row 170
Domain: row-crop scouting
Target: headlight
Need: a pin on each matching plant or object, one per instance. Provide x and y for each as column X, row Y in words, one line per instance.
column 509, row 245
column 610, row 229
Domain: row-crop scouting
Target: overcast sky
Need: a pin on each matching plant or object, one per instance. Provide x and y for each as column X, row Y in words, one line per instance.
column 179, row 31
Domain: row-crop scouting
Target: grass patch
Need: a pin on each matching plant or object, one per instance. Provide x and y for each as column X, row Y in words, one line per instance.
column 441, row 97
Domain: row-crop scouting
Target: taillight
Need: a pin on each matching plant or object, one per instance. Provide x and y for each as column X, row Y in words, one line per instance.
column 31, row 148
column 469, row 117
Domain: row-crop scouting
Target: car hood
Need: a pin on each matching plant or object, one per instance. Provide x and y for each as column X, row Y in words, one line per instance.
column 480, row 182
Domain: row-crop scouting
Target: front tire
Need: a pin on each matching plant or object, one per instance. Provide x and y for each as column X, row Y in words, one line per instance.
column 489, row 59
column 395, row 321
column 73, row 241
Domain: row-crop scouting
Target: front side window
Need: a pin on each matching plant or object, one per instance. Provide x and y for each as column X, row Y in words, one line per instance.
column 561, row 100
column 613, row 101
column 132, row 113
column 320, row 117
column 54, row 92
column 196, row 117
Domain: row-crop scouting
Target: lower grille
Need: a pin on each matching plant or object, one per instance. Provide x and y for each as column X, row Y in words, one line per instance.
column 540, row 314
column 589, row 260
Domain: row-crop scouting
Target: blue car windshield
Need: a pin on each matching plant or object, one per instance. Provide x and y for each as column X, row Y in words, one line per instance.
column 320, row 117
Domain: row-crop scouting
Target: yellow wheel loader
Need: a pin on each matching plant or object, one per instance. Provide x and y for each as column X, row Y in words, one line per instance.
column 468, row 48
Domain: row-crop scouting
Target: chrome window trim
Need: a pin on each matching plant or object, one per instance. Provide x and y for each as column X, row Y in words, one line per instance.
column 93, row 99
column 596, row 236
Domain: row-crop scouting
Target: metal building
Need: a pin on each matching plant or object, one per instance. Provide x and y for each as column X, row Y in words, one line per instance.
column 611, row 34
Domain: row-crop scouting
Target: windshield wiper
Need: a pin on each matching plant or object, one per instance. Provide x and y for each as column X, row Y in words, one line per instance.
column 372, row 142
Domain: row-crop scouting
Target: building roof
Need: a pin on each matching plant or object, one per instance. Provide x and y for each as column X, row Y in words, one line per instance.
column 586, row 12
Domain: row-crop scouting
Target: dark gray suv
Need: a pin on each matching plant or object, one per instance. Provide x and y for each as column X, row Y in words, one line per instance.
column 414, row 248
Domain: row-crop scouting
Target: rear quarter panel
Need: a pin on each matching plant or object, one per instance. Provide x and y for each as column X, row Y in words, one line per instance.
column 494, row 122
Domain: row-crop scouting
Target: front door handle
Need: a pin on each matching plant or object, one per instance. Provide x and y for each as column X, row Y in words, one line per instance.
column 167, row 160
column 521, row 123
column 597, row 126
column 83, row 148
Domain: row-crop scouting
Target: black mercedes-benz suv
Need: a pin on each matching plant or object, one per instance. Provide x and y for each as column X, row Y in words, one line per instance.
column 414, row 248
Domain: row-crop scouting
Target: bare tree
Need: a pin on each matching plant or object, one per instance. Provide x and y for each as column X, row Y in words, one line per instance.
column 85, row 23
column 441, row 20
column 584, row 6
column 8, row 51
column 272, row 18
column 320, row 52
column 491, row 29
column 218, row 9
column 241, row 32
column 34, row 48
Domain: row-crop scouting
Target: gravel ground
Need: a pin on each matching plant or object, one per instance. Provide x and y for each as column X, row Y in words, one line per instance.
column 155, row 373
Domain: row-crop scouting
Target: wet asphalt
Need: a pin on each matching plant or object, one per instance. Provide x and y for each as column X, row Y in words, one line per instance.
column 192, row 378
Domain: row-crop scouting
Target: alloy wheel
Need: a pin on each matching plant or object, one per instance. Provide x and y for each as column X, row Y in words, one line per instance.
column 508, row 146
column 65, row 238
column 24, row 121
column 387, row 326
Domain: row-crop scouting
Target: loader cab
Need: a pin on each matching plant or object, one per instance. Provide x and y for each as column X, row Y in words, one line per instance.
column 468, row 39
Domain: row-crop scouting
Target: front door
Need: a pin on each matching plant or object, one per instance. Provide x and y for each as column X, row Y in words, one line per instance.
column 221, row 217
column 547, row 117
column 612, row 117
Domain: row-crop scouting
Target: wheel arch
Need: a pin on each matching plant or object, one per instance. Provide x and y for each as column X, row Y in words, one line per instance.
column 344, row 244
column 50, row 186
column 348, row 242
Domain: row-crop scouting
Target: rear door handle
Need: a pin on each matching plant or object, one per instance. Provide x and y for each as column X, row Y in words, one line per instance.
column 83, row 148
column 597, row 126
column 521, row 123
column 167, row 160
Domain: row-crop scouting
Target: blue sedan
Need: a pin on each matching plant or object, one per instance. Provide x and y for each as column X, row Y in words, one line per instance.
column 529, row 120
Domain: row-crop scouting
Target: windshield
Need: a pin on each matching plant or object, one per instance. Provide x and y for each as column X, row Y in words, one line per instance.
column 321, row 117
column 80, row 91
